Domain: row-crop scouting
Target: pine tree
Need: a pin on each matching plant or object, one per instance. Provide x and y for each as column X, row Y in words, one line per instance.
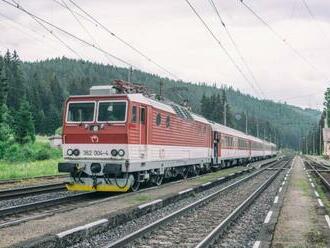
column 24, row 125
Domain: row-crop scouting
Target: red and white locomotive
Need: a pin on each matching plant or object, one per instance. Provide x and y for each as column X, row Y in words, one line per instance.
column 115, row 142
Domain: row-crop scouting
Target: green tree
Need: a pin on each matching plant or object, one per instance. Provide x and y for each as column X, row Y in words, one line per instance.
column 24, row 125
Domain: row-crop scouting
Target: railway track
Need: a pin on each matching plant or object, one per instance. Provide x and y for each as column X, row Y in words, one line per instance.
column 19, row 180
column 31, row 190
column 20, row 213
column 201, row 222
column 24, row 212
column 320, row 172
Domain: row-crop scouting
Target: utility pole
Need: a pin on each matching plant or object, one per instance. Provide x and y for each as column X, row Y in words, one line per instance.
column 320, row 151
column 246, row 122
column 313, row 143
column 225, row 114
column 161, row 83
column 264, row 133
column 129, row 77
column 257, row 128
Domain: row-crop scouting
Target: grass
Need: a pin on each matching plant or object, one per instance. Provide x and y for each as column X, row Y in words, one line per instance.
column 10, row 170
column 303, row 185
column 140, row 199
column 31, row 160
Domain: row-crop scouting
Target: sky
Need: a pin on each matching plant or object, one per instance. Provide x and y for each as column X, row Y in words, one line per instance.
column 286, row 61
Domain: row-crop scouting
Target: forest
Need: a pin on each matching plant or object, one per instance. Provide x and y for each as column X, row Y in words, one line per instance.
column 40, row 88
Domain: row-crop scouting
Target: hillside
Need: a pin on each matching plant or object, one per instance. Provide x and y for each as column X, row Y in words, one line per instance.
column 49, row 82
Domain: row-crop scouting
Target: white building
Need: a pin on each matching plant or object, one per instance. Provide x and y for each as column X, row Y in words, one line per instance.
column 326, row 140
column 55, row 141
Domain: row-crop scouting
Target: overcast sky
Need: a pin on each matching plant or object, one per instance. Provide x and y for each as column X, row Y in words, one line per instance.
column 171, row 34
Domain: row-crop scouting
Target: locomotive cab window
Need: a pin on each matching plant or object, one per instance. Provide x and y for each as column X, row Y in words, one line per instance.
column 112, row 111
column 80, row 112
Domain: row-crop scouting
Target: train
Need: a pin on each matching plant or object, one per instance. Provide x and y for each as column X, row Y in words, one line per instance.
column 115, row 141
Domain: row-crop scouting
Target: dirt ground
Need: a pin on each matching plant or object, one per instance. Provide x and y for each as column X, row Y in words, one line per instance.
column 299, row 225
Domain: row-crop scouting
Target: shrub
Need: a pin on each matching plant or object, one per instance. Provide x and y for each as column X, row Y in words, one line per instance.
column 42, row 154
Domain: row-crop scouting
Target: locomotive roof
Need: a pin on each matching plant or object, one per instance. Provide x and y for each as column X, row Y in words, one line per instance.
column 168, row 107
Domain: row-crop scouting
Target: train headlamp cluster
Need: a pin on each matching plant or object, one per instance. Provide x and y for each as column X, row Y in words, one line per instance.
column 71, row 152
column 119, row 152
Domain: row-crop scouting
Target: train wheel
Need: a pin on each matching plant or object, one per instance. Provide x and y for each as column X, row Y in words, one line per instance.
column 136, row 185
column 185, row 173
column 159, row 180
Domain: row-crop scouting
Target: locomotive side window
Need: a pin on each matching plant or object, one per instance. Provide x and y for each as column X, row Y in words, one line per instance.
column 114, row 111
column 134, row 114
column 168, row 120
column 81, row 112
column 143, row 115
column 158, row 119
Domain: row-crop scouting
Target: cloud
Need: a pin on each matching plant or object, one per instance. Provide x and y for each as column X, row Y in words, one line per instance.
column 169, row 33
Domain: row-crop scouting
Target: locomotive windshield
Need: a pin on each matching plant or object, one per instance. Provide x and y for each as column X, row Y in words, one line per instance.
column 81, row 112
column 114, row 111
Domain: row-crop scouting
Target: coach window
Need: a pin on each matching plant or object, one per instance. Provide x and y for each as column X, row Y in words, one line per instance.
column 143, row 115
column 168, row 120
column 134, row 114
column 158, row 119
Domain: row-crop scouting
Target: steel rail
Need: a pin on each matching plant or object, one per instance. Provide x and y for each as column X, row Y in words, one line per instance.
column 42, row 204
column 18, row 180
column 135, row 235
column 324, row 181
column 213, row 236
column 31, row 190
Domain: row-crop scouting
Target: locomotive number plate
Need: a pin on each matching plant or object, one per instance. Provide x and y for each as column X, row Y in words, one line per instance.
column 96, row 153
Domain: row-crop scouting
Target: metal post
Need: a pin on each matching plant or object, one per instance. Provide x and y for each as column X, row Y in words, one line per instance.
column 246, row 122
column 257, row 128
column 129, row 77
column 225, row 114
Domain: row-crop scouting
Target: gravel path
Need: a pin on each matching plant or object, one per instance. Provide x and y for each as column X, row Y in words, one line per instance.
column 244, row 232
column 228, row 198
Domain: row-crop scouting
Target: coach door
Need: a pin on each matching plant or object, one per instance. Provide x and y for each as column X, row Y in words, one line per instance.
column 143, row 124
column 216, row 147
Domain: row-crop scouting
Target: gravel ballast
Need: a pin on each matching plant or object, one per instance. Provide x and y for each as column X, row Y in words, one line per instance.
column 244, row 232
column 190, row 223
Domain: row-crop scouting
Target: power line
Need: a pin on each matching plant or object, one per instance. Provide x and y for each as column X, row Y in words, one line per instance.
column 123, row 41
column 281, row 38
column 41, row 20
column 82, row 26
column 220, row 44
column 235, row 46
column 313, row 16
column 47, row 29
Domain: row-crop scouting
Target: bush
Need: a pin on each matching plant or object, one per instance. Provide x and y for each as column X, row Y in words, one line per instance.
column 42, row 154
column 29, row 152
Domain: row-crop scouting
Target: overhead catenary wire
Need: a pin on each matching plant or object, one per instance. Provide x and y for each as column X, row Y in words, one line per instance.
column 123, row 41
column 282, row 39
column 311, row 14
column 213, row 5
column 220, row 44
column 42, row 20
column 48, row 30
column 83, row 27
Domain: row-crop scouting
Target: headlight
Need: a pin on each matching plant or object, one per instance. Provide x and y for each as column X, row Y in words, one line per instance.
column 76, row 152
column 114, row 152
column 95, row 128
column 69, row 152
column 95, row 168
column 121, row 152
